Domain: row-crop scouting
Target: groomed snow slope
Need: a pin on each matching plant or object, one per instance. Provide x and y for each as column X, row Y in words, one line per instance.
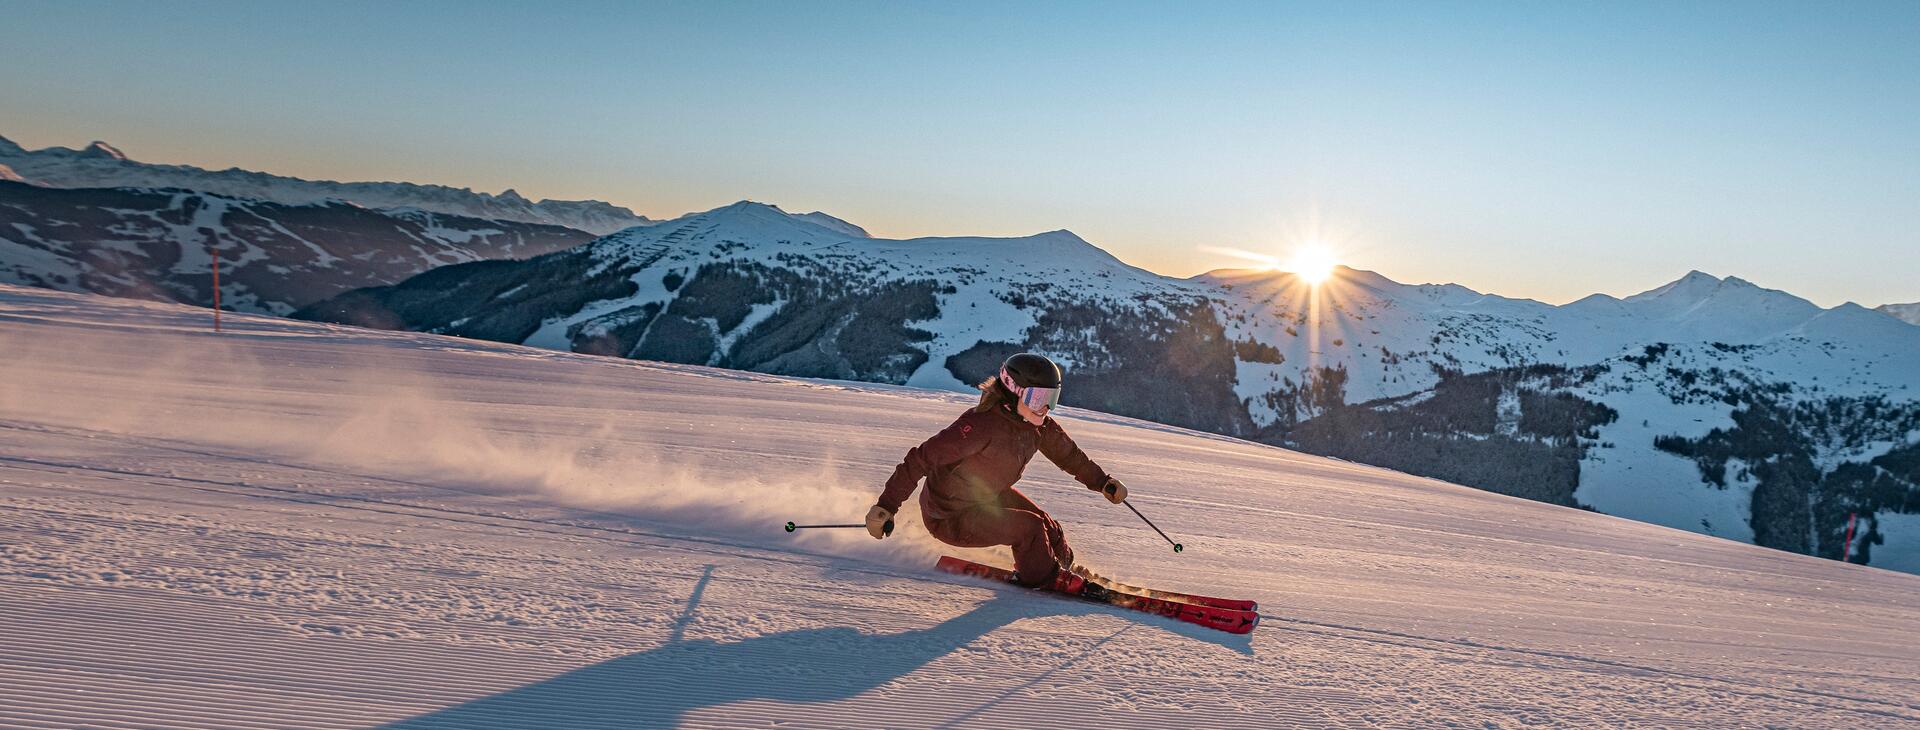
column 295, row 525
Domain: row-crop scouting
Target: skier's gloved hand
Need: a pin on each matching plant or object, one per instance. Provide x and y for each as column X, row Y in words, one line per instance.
column 1115, row 491
column 879, row 522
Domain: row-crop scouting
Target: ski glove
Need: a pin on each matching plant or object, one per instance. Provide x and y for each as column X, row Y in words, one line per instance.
column 1115, row 491
column 879, row 522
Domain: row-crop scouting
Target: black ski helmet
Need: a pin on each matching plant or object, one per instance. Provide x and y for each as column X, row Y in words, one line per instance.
column 1031, row 370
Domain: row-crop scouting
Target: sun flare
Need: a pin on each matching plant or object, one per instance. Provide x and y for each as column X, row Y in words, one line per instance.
column 1313, row 264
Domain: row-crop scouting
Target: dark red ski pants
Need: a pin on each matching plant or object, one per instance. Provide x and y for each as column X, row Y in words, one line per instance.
column 1039, row 546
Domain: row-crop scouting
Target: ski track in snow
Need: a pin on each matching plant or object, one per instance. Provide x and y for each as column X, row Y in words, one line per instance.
column 295, row 525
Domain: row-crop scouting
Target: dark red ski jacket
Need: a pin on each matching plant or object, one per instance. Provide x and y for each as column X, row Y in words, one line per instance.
column 975, row 462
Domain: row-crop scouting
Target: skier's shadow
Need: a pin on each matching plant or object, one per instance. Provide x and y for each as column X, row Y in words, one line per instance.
column 655, row 688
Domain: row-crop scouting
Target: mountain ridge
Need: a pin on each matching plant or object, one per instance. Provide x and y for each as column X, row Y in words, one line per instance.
column 102, row 165
column 154, row 243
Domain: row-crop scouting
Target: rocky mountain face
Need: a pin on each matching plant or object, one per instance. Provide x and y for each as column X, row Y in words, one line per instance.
column 100, row 165
column 274, row 257
column 1709, row 404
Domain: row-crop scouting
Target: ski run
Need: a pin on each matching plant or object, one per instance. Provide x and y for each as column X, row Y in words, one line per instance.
column 296, row 525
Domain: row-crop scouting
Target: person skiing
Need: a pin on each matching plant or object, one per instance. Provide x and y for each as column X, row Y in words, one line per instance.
column 971, row 466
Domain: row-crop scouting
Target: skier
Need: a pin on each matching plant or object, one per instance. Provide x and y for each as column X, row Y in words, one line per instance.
column 971, row 467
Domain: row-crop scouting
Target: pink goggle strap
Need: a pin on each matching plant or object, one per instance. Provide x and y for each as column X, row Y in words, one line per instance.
column 1006, row 379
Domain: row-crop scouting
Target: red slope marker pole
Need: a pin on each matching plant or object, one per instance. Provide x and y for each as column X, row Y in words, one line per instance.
column 1847, row 552
column 215, row 255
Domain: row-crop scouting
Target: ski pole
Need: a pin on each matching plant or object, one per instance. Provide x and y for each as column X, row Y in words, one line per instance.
column 1177, row 547
column 886, row 529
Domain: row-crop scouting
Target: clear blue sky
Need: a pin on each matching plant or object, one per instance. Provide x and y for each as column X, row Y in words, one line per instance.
column 1530, row 149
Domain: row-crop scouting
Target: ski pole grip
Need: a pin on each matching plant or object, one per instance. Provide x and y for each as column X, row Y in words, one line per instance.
column 887, row 529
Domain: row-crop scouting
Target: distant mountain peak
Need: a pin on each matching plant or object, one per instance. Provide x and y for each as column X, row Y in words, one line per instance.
column 747, row 209
column 103, row 150
column 1595, row 299
column 1852, row 321
column 1909, row 313
column 8, row 147
column 834, row 223
column 753, row 212
column 1699, row 286
column 1695, row 284
column 1348, row 284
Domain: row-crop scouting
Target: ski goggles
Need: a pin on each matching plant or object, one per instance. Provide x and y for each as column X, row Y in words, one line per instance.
column 1036, row 399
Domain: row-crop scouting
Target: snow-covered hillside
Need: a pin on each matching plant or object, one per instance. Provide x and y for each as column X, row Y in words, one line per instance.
column 274, row 258
column 301, row 525
column 1262, row 354
column 100, row 165
column 1389, row 337
column 1909, row 313
column 752, row 287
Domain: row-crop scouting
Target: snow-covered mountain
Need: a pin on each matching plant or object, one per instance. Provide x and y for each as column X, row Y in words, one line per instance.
column 1559, row 403
column 1706, row 404
column 275, row 258
column 1909, row 313
column 752, row 287
column 101, row 165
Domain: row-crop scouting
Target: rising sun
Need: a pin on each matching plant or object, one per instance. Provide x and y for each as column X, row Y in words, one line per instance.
column 1313, row 263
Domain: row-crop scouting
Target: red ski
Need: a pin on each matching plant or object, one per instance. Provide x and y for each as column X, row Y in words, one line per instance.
column 1236, row 621
column 1119, row 587
column 1114, row 585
